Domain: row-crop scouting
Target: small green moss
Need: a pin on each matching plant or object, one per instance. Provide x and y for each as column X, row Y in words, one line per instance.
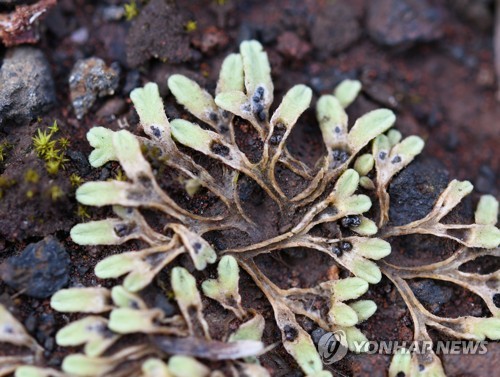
column 31, row 176
column 55, row 192
column 5, row 183
column 190, row 26
column 75, row 180
column 30, row 194
column 42, row 143
column 120, row 175
column 82, row 212
column 4, row 147
column 131, row 10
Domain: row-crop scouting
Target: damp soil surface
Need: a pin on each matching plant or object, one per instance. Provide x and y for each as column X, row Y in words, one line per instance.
column 429, row 61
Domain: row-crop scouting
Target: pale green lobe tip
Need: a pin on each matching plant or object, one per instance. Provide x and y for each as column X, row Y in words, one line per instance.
column 125, row 299
column 227, row 282
column 366, row 228
column 367, row 183
column 250, row 330
column 356, row 340
column 185, row 366
column 364, row 164
column 342, row 315
column 349, row 289
column 364, row 309
column 128, row 321
column 355, row 205
column 347, row 184
column 332, row 120
column 101, row 139
column 347, row 91
column 231, row 76
column 101, row 193
column 149, row 105
column 155, row 368
column 128, row 151
column 116, row 265
column 457, row 190
column 483, row 328
column 373, row 248
column 487, row 210
column 95, row 233
column 394, row 137
column 137, row 280
column 485, row 236
column 235, row 102
column 82, row 365
column 304, row 352
column 366, row 269
column 229, row 273
column 184, row 286
column 257, row 69
column 189, row 94
column 381, row 143
column 191, row 135
column 400, row 363
column 409, row 147
column 295, row 102
column 85, row 300
column 370, row 126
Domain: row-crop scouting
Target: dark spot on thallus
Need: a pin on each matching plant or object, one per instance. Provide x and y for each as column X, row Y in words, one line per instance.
column 340, row 156
column 278, row 132
column 213, row 117
column 145, row 181
column 496, row 299
column 123, row 230
column 197, row 247
column 350, row 221
column 291, row 333
column 345, row 246
column 156, row 131
column 396, row 159
column 262, row 115
column 223, row 128
column 401, row 374
column 336, row 251
column 337, row 130
column 259, row 94
column 219, row 149
column 382, row 155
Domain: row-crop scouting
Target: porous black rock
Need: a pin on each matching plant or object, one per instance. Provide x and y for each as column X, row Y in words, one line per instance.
column 39, row 271
column 26, row 85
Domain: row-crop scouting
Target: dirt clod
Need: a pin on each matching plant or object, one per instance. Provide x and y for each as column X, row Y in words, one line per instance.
column 159, row 32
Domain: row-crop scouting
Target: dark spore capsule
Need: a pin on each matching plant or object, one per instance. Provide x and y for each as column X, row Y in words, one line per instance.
column 350, row 221
column 345, row 246
column 156, row 131
column 291, row 333
column 213, row 117
column 396, row 159
column 336, row 251
column 382, row 155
